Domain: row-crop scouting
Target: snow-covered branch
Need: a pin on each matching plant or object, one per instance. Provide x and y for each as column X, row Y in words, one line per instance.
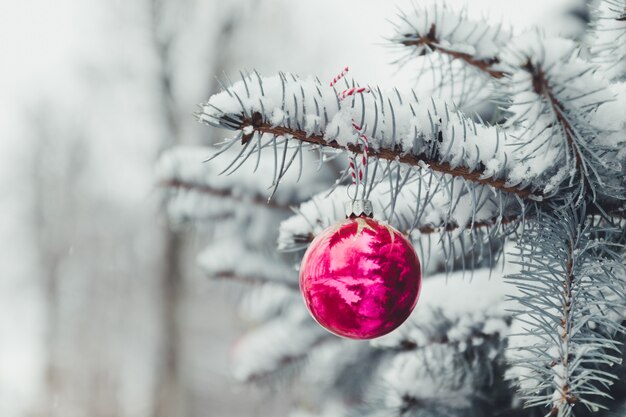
column 430, row 207
column 274, row 112
column 279, row 348
column 608, row 38
column 223, row 260
column 555, row 95
column 555, row 100
column 439, row 29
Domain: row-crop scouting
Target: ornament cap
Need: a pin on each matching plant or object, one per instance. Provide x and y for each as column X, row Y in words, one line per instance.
column 358, row 208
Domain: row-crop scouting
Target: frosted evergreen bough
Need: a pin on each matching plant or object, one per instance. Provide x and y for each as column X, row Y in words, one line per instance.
column 517, row 213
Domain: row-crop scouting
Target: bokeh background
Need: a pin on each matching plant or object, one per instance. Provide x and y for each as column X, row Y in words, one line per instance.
column 103, row 312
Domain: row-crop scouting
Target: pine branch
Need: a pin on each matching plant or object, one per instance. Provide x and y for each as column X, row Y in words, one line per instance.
column 223, row 260
column 475, row 336
column 196, row 191
column 275, row 112
column 566, row 104
column 178, row 184
column 278, row 349
column 542, row 88
column 252, row 280
column 555, row 99
column 435, row 207
column 608, row 38
column 567, row 397
column 570, row 305
column 287, row 363
column 432, row 43
column 388, row 154
column 440, row 380
column 447, row 36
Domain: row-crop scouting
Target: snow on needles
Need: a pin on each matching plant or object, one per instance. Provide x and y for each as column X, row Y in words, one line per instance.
column 450, row 29
column 399, row 121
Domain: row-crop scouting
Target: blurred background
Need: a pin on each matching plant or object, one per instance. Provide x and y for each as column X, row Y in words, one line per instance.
column 103, row 311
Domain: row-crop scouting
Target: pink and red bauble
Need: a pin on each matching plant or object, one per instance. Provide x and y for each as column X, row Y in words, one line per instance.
column 360, row 279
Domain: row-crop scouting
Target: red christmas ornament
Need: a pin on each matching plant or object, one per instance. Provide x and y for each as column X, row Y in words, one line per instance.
column 360, row 278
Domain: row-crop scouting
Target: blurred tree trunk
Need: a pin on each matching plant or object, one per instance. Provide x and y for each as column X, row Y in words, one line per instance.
column 57, row 164
column 169, row 385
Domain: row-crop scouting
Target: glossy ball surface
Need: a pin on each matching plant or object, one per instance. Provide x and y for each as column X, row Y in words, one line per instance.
column 360, row 278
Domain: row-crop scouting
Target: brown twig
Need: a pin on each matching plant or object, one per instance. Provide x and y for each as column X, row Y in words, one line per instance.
column 431, row 41
column 543, row 89
column 253, row 280
column 566, row 395
column 427, row 229
column 409, row 345
column 395, row 154
column 224, row 193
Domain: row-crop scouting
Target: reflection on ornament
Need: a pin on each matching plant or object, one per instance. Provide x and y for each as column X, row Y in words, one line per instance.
column 360, row 278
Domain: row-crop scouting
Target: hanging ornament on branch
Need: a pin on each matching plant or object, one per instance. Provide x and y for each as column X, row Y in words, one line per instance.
column 360, row 278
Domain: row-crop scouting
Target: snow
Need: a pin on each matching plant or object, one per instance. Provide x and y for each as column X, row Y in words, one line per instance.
column 607, row 42
column 446, row 296
column 419, row 126
column 227, row 255
column 414, row 209
column 266, row 348
column 263, row 302
column 455, row 30
column 189, row 164
column 543, row 153
column 407, row 376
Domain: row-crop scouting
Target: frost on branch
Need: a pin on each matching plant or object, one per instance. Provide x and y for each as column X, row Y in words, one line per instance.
column 448, row 358
column 608, row 38
column 195, row 187
column 437, row 28
column 284, row 112
column 443, row 317
column 223, row 260
column 424, row 209
column 279, row 348
column 554, row 98
column 572, row 297
column 460, row 53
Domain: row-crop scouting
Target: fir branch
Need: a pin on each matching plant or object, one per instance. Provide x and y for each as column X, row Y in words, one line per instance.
column 285, row 366
column 180, row 184
column 431, row 42
column 433, row 209
column 571, row 292
column 441, row 379
column 283, row 113
column 253, row 279
column 223, row 260
column 447, row 36
column 476, row 336
column 555, row 98
column 608, row 37
column 542, row 88
column 566, row 397
column 388, row 154
column 430, row 229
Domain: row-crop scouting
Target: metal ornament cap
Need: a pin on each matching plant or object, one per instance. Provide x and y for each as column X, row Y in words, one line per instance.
column 359, row 208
